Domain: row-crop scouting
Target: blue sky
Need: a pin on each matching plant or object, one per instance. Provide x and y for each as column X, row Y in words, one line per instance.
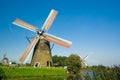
column 93, row 26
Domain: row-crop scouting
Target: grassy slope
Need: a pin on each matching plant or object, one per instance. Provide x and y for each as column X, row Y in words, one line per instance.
column 32, row 72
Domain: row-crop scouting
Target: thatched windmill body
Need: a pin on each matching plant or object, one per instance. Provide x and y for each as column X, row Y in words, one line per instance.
column 42, row 53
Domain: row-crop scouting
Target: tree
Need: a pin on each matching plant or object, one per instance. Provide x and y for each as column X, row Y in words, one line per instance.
column 59, row 60
column 73, row 63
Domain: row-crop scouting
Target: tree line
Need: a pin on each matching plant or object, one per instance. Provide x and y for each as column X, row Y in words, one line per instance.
column 73, row 62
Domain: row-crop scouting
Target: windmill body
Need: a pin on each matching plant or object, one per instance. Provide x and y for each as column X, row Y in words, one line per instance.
column 40, row 43
column 5, row 60
column 42, row 56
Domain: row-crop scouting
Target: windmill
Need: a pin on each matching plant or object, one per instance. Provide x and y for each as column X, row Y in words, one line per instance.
column 42, row 53
column 83, row 62
column 5, row 60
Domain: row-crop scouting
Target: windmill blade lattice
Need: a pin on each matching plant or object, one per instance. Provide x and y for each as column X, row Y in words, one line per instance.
column 25, row 25
column 49, row 20
column 57, row 40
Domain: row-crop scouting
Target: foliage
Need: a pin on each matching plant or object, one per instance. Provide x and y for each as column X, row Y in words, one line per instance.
column 2, row 74
column 13, row 62
column 73, row 63
column 105, row 73
column 59, row 60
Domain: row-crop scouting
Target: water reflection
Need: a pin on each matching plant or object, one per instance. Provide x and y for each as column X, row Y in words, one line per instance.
column 87, row 75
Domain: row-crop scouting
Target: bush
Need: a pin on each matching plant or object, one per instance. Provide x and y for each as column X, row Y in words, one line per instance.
column 73, row 63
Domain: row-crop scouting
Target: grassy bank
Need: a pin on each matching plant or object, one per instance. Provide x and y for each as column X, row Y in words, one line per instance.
column 90, row 73
column 30, row 72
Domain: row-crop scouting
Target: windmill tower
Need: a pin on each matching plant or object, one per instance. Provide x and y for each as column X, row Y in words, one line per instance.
column 42, row 53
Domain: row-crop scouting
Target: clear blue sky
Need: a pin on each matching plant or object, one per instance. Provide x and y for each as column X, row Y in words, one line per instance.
column 93, row 26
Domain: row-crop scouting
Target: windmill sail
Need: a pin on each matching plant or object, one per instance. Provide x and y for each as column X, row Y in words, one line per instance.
column 22, row 24
column 49, row 20
column 31, row 45
column 57, row 40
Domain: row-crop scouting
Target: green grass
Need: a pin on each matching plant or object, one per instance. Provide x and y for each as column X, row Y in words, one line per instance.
column 100, row 73
column 31, row 72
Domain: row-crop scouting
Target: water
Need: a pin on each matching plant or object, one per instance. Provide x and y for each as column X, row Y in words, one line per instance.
column 87, row 74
